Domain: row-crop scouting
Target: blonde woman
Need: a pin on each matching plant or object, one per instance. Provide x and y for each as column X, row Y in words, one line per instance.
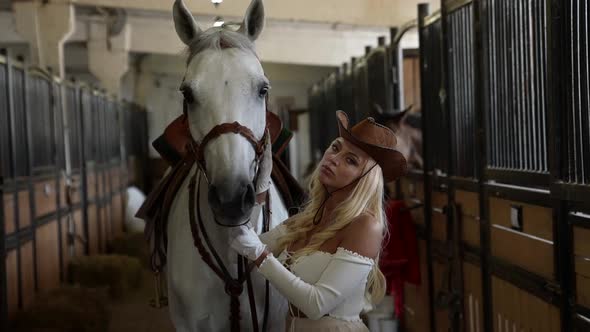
column 327, row 256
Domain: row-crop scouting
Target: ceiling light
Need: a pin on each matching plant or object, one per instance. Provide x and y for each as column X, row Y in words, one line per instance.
column 218, row 21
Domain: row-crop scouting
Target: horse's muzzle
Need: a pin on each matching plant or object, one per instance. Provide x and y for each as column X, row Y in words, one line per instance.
column 232, row 203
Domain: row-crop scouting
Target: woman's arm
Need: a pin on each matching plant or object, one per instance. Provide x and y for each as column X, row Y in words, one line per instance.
column 345, row 272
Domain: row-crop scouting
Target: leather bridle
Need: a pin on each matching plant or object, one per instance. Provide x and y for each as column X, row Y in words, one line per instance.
column 233, row 286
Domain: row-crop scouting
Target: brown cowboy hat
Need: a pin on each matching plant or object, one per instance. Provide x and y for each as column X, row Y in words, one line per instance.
column 377, row 141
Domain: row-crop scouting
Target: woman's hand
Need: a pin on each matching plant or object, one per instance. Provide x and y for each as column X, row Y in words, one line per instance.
column 247, row 243
column 264, row 168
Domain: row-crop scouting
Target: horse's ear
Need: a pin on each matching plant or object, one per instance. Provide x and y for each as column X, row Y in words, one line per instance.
column 254, row 20
column 184, row 22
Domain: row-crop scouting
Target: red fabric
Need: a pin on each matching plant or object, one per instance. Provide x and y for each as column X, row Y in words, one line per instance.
column 399, row 261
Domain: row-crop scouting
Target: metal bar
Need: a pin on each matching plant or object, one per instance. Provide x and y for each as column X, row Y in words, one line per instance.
column 432, row 18
column 422, row 13
column 455, row 5
column 524, row 178
column 545, row 289
column 481, row 28
column 3, row 275
column 455, row 281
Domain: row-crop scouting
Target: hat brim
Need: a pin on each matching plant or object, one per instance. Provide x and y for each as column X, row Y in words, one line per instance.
column 392, row 162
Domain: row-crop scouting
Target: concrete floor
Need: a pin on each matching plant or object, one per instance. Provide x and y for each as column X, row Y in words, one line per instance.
column 133, row 312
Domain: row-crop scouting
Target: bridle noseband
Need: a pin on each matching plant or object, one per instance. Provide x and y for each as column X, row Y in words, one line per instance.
column 228, row 128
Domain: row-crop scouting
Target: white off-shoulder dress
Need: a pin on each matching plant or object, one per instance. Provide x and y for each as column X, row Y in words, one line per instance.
column 328, row 288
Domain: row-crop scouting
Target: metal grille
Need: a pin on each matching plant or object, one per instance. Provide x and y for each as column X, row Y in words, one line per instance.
column 514, row 37
column 20, row 124
column 315, row 120
column 59, row 143
column 435, row 119
column 112, row 123
column 332, row 104
column 378, row 87
column 362, row 109
column 576, row 122
column 5, row 151
column 73, row 108
column 88, row 125
column 461, row 90
column 136, row 131
column 40, row 109
column 347, row 92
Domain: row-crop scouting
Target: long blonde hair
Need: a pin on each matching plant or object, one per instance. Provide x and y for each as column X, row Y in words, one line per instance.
column 367, row 196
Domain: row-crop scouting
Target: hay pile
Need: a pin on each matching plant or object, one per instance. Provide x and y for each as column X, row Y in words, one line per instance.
column 66, row 309
column 117, row 273
column 133, row 245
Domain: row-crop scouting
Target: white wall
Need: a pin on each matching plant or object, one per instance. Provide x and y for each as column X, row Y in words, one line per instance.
column 155, row 81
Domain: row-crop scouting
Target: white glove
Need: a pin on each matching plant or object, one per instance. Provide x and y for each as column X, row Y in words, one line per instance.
column 265, row 168
column 271, row 238
column 246, row 242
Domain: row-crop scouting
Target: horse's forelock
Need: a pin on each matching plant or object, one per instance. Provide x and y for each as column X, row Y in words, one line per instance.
column 219, row 38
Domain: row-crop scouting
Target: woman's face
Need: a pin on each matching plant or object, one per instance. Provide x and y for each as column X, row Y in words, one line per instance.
column 341, row 164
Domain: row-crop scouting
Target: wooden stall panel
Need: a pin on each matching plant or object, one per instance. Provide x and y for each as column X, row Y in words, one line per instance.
column 91, row 185
column 468, row 204
column 473, row 298
column 45, row 197
column 439, row 219
column 75, row 191
column 117, row 209
column 93, row 246
column 48, row 256
column 100, row 184
column 131, row 165
column 27, row 273
column 72, row 223
column 115, row 177
column 9, row 217
column 11, row 282
column 440, row 280
column 582, row 265
column 530, row 248
column 414, row 194
column 102, row 228
column 416, row 312
column 24, row 209
column 517, row 310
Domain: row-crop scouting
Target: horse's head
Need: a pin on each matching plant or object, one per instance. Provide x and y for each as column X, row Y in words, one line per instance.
column 224, row 83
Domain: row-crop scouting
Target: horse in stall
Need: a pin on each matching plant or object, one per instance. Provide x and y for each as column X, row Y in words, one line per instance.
column 224, row 90
column 407, row 126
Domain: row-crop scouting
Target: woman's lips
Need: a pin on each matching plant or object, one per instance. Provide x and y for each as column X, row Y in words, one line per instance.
column 327, row 170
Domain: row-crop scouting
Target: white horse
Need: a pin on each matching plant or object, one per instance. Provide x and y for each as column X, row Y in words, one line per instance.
column 224, row 82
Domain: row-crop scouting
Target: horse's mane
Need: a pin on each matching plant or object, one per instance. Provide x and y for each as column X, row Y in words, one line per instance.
column 219, row 38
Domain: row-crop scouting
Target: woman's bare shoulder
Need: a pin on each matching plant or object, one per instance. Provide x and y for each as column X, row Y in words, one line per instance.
column 363, row 236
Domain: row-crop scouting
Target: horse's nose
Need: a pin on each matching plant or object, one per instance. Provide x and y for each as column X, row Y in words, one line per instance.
column 231, row 200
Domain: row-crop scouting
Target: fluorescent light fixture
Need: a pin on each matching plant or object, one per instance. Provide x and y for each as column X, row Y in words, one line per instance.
column 216, row 2
column 218, row 21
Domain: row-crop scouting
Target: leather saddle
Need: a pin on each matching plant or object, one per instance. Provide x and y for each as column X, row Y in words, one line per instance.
column 172, row 146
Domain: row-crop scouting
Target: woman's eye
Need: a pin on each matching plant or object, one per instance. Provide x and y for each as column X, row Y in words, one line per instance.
column 334, row 147
column 351, row 161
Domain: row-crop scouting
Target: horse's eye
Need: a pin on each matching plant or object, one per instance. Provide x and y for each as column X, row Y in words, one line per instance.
column 187, row 93
column 263, row 91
